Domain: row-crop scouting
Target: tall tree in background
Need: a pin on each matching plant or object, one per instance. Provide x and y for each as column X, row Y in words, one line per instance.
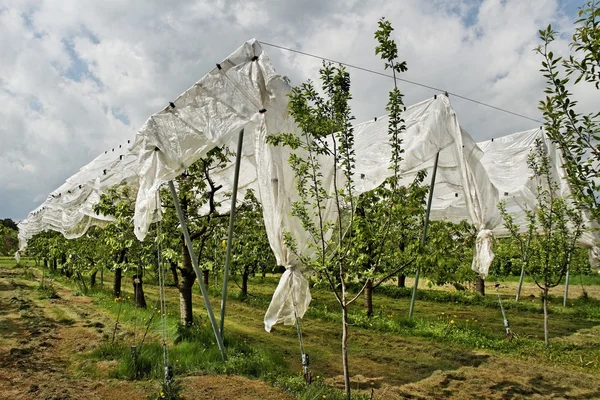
column 577, row 135
column 9, row 242
column 119, row 239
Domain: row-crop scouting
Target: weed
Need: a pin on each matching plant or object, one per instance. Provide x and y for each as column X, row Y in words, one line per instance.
column 47, row 291
column 319, row 389
column 171, row 391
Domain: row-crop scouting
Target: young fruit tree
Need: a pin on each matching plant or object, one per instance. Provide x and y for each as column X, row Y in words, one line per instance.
column 126, row 252
column 406, row 206
column 552, row 231
column 323, row 161
column 577, row 135
column 196, row 188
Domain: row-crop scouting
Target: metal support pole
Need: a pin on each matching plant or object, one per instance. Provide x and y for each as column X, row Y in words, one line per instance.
column 236, row 175
column 567, row 279
column 505, row 320
column 520, row 283
column 424, row 237
column 566, row 288
column 188, row 244
column 523, row 269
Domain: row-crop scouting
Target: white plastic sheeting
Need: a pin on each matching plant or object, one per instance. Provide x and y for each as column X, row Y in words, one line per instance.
column 244, row 92
column 462, row 189
column 69, row 209
column 505, row 160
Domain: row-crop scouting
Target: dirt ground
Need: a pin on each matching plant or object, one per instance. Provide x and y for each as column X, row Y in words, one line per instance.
column 42, row 343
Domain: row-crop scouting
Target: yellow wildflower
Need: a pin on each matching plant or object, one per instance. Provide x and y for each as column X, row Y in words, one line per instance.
column 452, row 321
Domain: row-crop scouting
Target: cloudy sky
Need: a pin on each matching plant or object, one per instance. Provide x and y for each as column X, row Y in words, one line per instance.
column 79, row 77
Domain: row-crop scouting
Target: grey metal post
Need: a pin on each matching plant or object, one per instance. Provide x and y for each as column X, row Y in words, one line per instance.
column 424, row 237
column 566, row 288
column 505, row 320
column 567, row 279
column 236, row 175
column 523, row 268
column 188, row 244
column 520, row 283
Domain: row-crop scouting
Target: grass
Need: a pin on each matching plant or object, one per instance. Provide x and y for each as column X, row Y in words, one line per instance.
column 450, row 330
column 477, row 320
column 47, row 291
column 587, row 280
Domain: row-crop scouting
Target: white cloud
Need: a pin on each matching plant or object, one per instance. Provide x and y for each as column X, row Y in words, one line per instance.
column 79, row 78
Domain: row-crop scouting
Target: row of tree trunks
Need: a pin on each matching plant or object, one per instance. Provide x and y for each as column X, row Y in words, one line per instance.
column 368, row 292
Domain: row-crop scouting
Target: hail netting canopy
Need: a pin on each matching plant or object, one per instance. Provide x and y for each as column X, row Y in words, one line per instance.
column 244, row 92
column 69, row 209
column 505, row 160
column 462, row 191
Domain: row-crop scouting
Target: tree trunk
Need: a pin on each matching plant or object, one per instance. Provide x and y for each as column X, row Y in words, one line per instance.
column 93, row 278
column 138, row 291
column 546, row 338
column 345, row 351
column 368, row 293
column 67, row 271
column 402, row 280
column 54, row 265
column 186, row 282
column 173, row 268
column 119, row 274
column 480, row 285
column 205, row 275
column 245, row 276
column 45, row 263
column 117, row 282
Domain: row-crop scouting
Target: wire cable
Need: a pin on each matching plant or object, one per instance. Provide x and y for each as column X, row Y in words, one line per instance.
column 481, row 103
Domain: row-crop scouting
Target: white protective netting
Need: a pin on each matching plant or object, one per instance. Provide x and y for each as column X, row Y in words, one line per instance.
column 505, row 160
column 244, row 92
column 69, row 209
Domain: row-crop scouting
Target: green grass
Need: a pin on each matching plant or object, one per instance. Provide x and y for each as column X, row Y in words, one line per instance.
column 439, row 344
column 587, row 280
